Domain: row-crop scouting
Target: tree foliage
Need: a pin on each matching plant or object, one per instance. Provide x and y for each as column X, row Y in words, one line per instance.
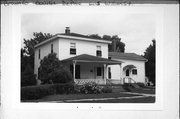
column 51, row 70
column 150, row 55
column 27, row 52
column 27, row 77
column 119, row 45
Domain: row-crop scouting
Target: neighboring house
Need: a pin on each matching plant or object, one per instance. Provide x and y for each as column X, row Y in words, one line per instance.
column 86, row 58
column 131, row 70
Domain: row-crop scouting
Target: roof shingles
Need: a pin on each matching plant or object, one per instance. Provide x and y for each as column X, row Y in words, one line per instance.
column 128, row 56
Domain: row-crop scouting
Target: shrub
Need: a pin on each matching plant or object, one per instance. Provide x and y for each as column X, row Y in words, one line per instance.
column 90, row 88
column 61, row 76
column 127, row 87
column 140, row 84
column 52, row 70
column 28, row 78
column 36, row 92
column 39, row 91
column 64, row 88
column 107, row 89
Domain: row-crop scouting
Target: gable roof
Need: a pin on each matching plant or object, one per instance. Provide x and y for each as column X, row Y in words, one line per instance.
column 82, row 36
column 73, row 36
column 90, row 58
column 128, row 56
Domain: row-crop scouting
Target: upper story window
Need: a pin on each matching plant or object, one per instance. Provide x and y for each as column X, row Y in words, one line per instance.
column 51, row 48
column 39, row 54
column 134, row 71
column 73, row 48
column 98, row 51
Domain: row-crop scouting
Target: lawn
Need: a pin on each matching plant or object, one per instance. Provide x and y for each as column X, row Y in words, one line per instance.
column 142, row 95
column 133, row 100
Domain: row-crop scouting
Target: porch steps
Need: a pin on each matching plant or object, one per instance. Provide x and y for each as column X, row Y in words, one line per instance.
column 117, row 88
column 135, row 85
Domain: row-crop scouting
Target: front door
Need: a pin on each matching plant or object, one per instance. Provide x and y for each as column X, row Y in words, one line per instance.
column 99, row 73
column 127, row 72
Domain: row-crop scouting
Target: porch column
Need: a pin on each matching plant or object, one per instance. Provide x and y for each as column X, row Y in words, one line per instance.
column 121, row 78
column 74, row 70
column 105, row 72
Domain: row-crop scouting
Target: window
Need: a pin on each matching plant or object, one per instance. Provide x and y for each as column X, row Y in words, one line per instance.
column 134, row 71
column 98, row 51
column 99, row 73
column 73, row 48
column 51, row 48
column 39, row 54
column 109, row 72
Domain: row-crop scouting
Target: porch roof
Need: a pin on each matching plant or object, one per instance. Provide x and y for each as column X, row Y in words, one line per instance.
column 129, row 67
column 91, row 59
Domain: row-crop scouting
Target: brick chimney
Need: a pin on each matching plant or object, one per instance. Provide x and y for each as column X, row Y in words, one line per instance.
column 67, row 30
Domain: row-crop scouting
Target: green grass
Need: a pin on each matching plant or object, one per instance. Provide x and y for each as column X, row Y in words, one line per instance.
column 136, row 100
column 81, row 96
column 64, row 97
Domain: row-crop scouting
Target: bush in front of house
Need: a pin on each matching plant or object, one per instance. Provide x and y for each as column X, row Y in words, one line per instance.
column 107, row 89
column 61, row 76
column 39, row 91
column 140, row 84
column 90, row 88
column 28, row 78
column 51, row 70
column 36, row 92
column 64, row 88
column 127, row 87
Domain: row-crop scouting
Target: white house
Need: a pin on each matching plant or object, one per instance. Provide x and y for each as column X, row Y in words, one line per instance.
column 87, row 58
column 132, row 69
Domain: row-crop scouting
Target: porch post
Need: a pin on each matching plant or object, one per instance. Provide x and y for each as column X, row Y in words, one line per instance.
column 74, row 70
column 121, row 74
column 105, row 73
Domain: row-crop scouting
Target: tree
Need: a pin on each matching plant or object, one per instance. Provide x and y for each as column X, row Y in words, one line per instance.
column 51, row 70
column 116, row 46
column 27, row 52
column 119, row 46
column 96, row 36
column 150, row 65
column 27, row 77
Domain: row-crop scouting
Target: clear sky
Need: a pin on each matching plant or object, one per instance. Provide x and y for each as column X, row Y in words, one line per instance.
column 136, row 30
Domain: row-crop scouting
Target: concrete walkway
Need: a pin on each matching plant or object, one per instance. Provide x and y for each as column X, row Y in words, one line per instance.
column 141, row 95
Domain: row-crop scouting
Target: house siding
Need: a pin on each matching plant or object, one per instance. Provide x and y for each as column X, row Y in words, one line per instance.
column 82, row 47
column 140, row 66
column 44, row 51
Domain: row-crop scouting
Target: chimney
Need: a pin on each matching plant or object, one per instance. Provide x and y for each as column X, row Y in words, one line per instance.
column 67, row 31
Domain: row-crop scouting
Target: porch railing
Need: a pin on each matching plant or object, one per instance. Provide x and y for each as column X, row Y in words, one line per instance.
column 84, row 81
column 114, row 81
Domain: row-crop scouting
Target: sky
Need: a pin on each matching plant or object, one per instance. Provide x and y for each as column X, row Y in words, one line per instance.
column 135, row 30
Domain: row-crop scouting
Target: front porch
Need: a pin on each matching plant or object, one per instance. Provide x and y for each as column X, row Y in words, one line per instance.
column 86, row 68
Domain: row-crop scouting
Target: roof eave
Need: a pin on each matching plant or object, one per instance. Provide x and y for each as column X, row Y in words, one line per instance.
column 71, row 37
column 86, row 39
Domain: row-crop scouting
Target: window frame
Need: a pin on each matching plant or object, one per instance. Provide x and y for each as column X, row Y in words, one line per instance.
column 72, row 48
column 52, row 48
column 134, row 71
column 99, row 71
column 98, row 51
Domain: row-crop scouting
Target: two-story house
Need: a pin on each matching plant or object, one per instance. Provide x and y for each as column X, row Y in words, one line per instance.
column 87, row 58
column 89, row 61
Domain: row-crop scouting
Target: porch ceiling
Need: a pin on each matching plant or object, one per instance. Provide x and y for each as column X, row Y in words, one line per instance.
column 91, row 59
